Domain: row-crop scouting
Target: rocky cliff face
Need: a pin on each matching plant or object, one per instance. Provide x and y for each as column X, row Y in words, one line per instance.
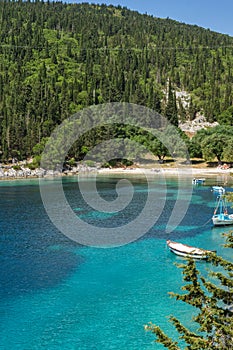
column 191, row 127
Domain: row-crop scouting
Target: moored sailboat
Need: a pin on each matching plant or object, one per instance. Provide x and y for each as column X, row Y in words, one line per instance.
column 221, row 216
column 198, row 181
column 218, row 189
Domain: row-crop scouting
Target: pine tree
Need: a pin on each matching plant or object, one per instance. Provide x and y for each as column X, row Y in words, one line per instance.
column 170, row 111
column 214, row 302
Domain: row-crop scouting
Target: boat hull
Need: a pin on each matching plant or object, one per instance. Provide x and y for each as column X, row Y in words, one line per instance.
column 198, row 181
column 218, row 189
column 187, row 255
column 187, row 251
column 222, row 220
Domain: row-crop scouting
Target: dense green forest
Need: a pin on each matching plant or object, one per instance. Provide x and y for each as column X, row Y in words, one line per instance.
column 58, row 58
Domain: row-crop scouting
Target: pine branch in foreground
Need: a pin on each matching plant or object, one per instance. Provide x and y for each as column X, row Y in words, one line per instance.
column 214, row 302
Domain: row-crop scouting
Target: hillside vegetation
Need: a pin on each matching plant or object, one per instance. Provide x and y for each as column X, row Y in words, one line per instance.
column 58, row 58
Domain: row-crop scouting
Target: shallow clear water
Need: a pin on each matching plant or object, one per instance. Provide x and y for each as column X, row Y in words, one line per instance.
column 57, row 294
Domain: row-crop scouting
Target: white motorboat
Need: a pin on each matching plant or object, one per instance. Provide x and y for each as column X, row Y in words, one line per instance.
column 187, row 251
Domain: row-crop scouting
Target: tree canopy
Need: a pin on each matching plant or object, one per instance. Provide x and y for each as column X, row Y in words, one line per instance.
column 215, row 142
column 57, row 58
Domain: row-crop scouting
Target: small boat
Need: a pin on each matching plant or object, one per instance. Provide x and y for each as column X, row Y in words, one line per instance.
column 218, row 189
column 188, row 251
column 221, row 216
column 197, row 181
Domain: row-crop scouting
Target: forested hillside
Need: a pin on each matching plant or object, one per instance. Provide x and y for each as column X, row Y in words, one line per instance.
column 58, row 58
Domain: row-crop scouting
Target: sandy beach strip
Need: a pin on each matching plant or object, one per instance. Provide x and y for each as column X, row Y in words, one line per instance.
column 178, row 171
column 139, row 170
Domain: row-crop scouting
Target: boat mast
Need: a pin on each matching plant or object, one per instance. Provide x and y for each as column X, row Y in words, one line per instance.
column 221, row 204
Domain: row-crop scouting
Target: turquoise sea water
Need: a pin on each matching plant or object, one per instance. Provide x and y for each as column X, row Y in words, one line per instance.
column 57, row 294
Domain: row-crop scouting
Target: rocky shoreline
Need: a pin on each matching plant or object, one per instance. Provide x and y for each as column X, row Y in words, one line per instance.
column 12, row 172
column 7, row 172
column 22, row 172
